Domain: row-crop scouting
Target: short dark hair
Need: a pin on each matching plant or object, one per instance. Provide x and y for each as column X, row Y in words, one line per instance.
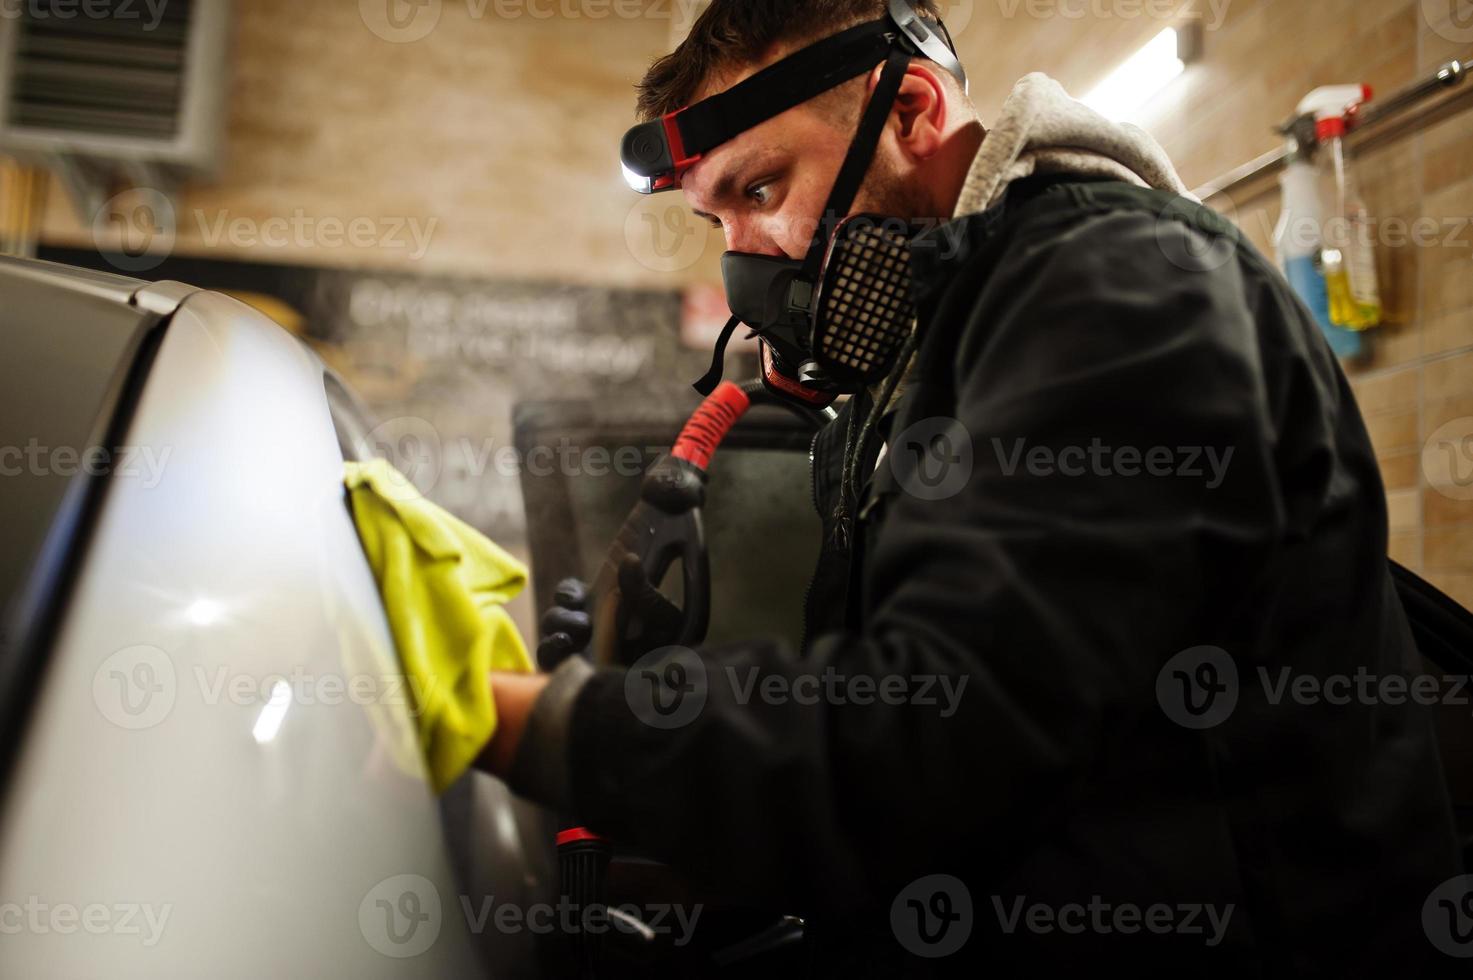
column 743, row 32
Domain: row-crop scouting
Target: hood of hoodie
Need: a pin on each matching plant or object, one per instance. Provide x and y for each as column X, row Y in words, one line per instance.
column 1043, row 131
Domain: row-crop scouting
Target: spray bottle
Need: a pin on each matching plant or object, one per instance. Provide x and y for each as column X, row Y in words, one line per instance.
column 1299, row 237
column 1349, row 256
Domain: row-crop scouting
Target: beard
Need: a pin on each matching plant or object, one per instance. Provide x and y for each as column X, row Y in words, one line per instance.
column 892, row 194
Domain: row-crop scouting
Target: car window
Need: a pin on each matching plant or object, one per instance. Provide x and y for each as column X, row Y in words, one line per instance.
column 69, row 360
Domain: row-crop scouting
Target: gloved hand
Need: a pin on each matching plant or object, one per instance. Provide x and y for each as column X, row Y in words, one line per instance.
column 566, row 626
column 646, row 620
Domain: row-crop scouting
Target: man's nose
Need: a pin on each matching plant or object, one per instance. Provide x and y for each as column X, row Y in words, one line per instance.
column 751, row 238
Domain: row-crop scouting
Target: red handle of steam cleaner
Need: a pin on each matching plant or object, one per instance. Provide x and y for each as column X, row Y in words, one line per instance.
column 665, row 526
column 710, row 425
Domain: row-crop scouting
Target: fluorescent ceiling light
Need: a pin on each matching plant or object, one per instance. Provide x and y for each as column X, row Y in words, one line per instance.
column 1139, row 79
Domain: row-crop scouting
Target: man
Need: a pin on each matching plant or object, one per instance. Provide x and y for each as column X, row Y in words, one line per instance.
column 1172, row 506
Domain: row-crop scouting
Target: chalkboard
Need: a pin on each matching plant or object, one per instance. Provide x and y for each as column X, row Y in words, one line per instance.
column 442, row 361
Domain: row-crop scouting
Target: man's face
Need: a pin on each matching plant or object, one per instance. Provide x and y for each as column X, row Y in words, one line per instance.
column 766, row 188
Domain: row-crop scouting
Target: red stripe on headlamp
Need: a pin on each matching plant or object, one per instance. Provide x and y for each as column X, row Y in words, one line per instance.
column 654, row 155
column 682, row 162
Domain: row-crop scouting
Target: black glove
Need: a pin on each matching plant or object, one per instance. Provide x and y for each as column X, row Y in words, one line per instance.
column 646, row 621
column 566, row 627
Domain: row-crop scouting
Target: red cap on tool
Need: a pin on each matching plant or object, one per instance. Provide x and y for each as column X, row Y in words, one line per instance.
column 574, row 835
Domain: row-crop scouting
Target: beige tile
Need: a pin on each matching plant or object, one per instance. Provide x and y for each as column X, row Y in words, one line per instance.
column 1447, row 153
column 1390, row 178
column 1440, row 509
column 1451, row 206
column 1397, row 342
column 1447, row 282
column 1439, row 44
column 1406, row 547
column 1404, row 510
column 1388, row 392
column 1385, row 56
column 1402, row 471
column 1393, row 433
column 1437, row 413
column 1441, row 40
column 1447, row 456
column 1449, row 548
column 1450, row 377
column 1369, row 17
column 1447, row 333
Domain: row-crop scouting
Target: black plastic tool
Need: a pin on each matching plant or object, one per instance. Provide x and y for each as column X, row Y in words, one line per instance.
column 665, row 527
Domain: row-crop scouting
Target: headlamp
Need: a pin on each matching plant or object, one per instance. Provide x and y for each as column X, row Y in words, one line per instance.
column 836, row 320
column 654, row 157
column 656, row 154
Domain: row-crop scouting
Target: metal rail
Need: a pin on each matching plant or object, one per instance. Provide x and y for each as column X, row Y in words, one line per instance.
column 1374, row 126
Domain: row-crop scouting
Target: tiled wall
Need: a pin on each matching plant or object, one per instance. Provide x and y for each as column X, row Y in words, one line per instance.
column 1415, row 388
column 1259, row 58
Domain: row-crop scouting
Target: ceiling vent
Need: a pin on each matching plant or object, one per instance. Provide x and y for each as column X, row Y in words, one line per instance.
column 102, row 88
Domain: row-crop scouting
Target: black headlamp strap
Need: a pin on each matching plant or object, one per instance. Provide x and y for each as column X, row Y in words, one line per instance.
column 790, row 82
column 861, row 154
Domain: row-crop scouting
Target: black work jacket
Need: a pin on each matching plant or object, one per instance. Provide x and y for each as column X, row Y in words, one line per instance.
column 1128, row 498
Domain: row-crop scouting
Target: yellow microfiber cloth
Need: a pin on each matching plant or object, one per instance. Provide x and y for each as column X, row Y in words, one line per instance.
column 444, row 585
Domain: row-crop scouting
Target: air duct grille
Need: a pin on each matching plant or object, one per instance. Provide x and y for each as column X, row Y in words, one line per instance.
column 114, row 68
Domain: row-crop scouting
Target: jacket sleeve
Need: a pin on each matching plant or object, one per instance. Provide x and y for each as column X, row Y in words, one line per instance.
column 1015, row 627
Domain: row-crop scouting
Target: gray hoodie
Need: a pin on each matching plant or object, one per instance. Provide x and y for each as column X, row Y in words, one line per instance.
column 1044, row 131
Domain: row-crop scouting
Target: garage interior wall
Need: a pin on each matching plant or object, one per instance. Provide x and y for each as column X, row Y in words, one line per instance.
column 502, row 129
column 1259, row 58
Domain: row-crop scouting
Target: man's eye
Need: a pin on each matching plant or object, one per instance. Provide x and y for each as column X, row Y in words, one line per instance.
column 760, row 193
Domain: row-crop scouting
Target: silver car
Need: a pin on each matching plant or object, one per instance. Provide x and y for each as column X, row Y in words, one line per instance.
column 208, row 752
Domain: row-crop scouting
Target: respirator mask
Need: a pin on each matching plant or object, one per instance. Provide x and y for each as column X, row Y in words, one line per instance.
column 833, row 322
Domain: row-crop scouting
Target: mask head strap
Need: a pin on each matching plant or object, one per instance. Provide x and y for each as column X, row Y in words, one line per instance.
column 861, row 154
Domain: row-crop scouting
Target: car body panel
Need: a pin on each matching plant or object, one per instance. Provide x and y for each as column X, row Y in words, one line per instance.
column 219, row 743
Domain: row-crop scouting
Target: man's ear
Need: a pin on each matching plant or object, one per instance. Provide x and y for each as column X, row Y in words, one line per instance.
column 918, row 119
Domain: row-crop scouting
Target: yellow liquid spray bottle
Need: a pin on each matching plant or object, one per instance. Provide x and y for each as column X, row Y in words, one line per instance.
column 1349, row 244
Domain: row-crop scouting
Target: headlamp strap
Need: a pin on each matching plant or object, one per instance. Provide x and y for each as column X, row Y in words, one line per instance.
column 790, row 82
column 861, row 154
